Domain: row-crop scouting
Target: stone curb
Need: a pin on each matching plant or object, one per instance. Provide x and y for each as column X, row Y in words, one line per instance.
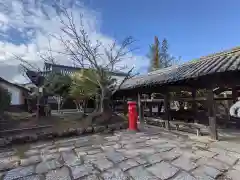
column 21, row 139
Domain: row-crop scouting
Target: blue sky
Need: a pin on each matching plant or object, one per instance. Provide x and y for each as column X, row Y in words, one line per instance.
column 193, row 28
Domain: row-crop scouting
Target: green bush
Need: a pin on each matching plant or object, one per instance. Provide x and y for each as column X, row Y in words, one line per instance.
column 5, row 99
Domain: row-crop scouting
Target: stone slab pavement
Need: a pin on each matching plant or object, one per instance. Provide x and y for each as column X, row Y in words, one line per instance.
column 145, row 155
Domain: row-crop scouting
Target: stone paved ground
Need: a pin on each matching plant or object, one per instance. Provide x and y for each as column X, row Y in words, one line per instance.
column 122, row 156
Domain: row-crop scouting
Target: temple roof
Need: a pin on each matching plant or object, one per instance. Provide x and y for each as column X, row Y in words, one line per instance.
column 225, row 61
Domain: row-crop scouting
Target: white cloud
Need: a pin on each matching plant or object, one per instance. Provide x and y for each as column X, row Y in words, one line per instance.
column 34, row 21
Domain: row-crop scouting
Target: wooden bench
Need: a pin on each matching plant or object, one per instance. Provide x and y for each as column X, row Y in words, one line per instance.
column 157, row 121
column 154, row 121
column 195, row 126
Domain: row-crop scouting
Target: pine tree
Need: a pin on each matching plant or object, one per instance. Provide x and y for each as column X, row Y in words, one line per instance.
column 154, row 55
column 159, row 56
column 166, row 59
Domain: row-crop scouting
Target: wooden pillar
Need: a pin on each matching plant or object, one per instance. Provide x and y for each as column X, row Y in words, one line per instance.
column 125, row 106
column 166, row 110
column 140, row 110
column 227, row 107
column 113, row 101
column 212, row 115
column 194, row 105
column 234, row 94
column 150, row 108
column 160, row 108
column 149, row 105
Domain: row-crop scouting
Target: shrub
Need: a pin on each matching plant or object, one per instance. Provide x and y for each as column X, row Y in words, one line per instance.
column 5, row 99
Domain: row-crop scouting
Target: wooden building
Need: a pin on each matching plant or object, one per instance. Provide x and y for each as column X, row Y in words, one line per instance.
column 212, row 74
column 63, row 69
column 68, row 70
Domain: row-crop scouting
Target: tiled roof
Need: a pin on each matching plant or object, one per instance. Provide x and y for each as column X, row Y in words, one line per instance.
column 69, row 69
column 13, row 84
column 225, row 61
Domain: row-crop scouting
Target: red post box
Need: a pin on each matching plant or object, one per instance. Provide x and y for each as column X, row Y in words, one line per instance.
column 132, row 116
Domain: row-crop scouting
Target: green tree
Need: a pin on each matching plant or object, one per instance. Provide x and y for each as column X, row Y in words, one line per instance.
column 154, row 55
column 5, row 99
column 84, row 87
column 166, row 59
column 103, row 58
column 86, row 52
column 159, row 55
column 57, row 85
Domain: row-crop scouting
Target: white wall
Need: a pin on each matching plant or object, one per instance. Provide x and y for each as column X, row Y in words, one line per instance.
column 15, row 93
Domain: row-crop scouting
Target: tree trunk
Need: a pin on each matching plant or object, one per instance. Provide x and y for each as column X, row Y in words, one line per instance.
column 105, row 101
column 58, row 99
column 76, row 104
column 85, row 105
column 59, row 105
column 97, row 103
column 62, row 101
column 80, row 105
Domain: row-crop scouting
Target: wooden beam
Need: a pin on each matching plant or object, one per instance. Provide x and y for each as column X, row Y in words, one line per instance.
column 219, row 90
column 150, row 109
column 185, row 99
column 176, row 88
column 194, row 105
column 152, row 100
column 125, row 105
column 167, row 110
column 140, row 110
column 212, row 115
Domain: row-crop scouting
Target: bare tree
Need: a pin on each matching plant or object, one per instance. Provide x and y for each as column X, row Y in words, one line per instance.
column 99, row 57
column 103, row 59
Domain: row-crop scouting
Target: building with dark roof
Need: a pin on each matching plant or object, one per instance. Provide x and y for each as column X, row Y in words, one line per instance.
column 37, row 78
column 18, row 94
column 214, row 74
column 63, row 69
column 49, row 67
column 220, row 64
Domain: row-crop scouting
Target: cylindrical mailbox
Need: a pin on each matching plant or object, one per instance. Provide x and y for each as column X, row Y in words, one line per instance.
column 132, row 115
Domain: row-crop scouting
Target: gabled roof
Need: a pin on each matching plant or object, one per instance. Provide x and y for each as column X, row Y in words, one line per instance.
column 13, row 84
column 224, row 61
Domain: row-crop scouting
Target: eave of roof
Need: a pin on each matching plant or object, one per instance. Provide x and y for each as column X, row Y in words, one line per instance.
column 13, row 84
column 224, row 61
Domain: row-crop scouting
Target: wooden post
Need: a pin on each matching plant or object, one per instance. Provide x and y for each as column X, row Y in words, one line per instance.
column 166, row 110
column 234, row 94
column 194, row 105
column 112, row 104
column 125, row 106
column 160, row 108
column 150, row 109
column 212, row 115
column 149, row 105
column 140, row 110
column 227, row 108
